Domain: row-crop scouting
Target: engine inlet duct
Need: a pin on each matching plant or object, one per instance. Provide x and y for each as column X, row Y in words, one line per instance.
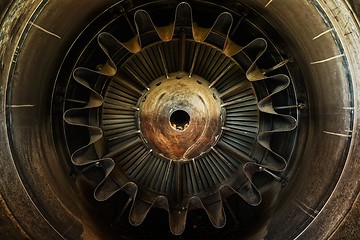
column 179, row 123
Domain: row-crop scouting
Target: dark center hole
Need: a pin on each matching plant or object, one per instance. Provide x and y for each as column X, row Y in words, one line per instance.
column 179, row 119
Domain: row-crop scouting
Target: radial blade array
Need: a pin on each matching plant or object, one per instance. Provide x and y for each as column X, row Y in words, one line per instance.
column 94, row 151
column 281, row 122
column 78, row 117
column 118, row 145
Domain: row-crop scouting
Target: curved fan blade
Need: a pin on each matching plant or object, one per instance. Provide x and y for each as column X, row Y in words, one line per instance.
column 250, row 194
column 110, row 44
column 282, row 82
column 75, row 116
column 248, row 190
column 277, row 162
column 102, row 191
column 140, row 209
column 254, row 50
column 262, row 168
column 284, row 123
column 214, row 209
column 89, row 153
column 177, row 220
column 109, row 186
column 82, row 76
column 183, row 18
column 144, row 24
column 183, row 15
column 221, row 25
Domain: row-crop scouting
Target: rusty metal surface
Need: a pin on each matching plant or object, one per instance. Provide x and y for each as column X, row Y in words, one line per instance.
column 347, row 230
column 167, row 102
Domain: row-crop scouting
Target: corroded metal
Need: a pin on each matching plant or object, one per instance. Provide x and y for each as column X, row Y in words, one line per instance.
column 171, row 99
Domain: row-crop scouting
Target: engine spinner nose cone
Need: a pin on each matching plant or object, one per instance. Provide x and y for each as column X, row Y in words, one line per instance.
column 181, row 117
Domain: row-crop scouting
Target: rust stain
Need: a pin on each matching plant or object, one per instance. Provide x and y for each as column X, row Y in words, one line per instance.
column 187, row 140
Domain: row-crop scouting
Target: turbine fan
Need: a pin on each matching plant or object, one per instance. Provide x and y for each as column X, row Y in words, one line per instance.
column 178, row 124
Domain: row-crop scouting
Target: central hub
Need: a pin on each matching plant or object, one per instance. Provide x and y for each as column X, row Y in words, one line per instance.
column 179, row 120
column 180, row 117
